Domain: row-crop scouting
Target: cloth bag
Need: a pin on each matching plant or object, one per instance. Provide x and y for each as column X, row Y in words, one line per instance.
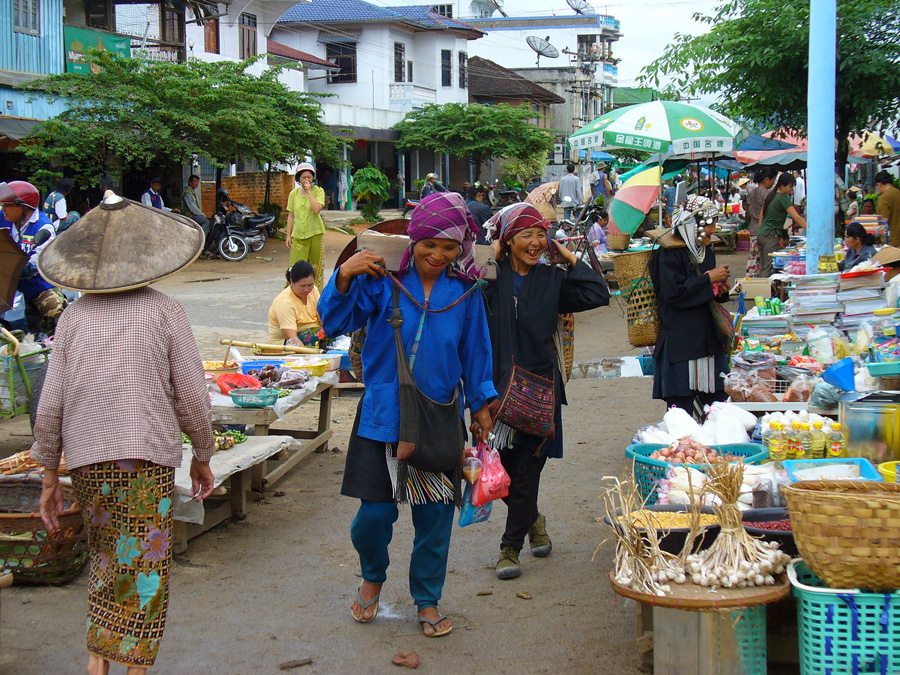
column 529, row 403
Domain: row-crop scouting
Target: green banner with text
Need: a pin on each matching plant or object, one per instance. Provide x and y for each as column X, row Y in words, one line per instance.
column 79, row 39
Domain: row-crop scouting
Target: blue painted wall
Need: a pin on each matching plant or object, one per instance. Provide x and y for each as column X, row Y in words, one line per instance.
column 41, row 54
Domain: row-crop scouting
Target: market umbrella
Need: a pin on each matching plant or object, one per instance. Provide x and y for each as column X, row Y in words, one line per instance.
column 793, row 161
column 660, row 126
column 870, row 144
column 12, row 262
column 634, row 200
column 757, row 142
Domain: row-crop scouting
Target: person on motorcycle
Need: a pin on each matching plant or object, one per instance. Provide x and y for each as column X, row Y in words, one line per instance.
column 190, row 203
column 55, row 205
column 432, row 185
column 24, row 220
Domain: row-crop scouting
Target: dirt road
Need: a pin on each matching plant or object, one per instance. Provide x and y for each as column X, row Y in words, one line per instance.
column 276, row 587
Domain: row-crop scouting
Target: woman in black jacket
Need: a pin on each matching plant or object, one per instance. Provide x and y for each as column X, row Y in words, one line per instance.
column 523, row 307
column 690, row 359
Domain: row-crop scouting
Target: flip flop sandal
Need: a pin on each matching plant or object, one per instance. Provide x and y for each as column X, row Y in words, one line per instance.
column 365, row 605
column 437, row 633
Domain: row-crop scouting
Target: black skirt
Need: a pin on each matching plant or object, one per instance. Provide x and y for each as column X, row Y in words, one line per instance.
column 366, row 474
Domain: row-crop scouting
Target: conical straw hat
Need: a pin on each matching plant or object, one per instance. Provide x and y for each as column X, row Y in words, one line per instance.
column 118, row 246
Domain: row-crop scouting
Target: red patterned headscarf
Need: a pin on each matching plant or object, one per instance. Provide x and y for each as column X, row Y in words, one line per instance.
column 504, row 224
column 444, row 215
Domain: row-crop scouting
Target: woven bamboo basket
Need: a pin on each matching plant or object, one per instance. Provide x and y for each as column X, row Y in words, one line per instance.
column 641, row 311
column 618, row 241
column 566, row 330
column 848, row 532
column 26, row 548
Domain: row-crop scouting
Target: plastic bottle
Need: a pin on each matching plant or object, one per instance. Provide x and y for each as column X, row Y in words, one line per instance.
column 777, row 442
column 834, row 446
column 793, row 440
column 818, row 441
column 767, row 434
column 804, row 449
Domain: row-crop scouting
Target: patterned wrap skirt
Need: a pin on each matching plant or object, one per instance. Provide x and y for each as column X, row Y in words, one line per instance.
column 127, row 508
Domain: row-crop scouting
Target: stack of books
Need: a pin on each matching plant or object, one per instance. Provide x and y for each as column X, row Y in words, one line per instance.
column 763, row 327
column 860, row 296
column 814, row 302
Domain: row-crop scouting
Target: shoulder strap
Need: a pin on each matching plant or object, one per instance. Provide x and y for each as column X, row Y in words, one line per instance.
column 396, row 321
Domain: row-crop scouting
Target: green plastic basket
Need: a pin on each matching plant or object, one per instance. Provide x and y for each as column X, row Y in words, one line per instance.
column 750, row 634
column 844, row 631
column 648, row 472
column 254, row 398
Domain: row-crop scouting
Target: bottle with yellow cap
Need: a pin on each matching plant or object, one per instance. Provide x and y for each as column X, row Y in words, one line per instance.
column 818, row 441
column 804, row 449
column 777, row 442
column 793, row 440
column 884, row 321
column 834, row 446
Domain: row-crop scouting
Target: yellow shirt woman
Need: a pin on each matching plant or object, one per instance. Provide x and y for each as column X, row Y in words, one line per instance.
column 294, row 314
column 305, row 227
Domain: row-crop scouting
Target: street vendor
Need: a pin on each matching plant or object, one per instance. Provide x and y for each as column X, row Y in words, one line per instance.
column 28, row 226
column 690, row 358
column 860, row 246
column 777, row 208
column 294, row 315
column 124, row 380
column 448, row 351
column 524, row 305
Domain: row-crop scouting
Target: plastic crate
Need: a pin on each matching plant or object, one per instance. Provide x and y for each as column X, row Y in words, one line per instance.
column 648, row 472
column 867, row 470
column 884, row 368
column 648, row 365
column 750, row 634
column 844, row 631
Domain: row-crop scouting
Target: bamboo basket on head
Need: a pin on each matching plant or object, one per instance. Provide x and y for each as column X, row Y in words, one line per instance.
column 641, row 310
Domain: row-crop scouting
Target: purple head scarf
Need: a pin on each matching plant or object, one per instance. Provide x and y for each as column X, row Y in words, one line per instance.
column 512, row 219
column 444, row 215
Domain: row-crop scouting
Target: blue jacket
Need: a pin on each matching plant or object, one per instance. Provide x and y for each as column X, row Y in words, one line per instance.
column 31, row 284
column 454, row 345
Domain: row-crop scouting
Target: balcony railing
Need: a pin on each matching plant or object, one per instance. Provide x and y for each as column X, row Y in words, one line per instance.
column 412, row 94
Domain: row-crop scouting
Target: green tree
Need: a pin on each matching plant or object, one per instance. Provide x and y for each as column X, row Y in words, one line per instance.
column 149, row 113
column 526, row 169
column 475, row 131
column 755, row 56
column 373, row 186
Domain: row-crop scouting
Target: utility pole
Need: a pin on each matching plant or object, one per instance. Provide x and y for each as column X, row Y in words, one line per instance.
column 820, row 104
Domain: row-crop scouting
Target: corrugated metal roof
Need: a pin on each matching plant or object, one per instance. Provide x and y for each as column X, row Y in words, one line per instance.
column 491, row 80
column 278, row 49
column 330, row 11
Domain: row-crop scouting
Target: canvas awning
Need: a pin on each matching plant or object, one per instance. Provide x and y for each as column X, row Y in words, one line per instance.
column 16, row 128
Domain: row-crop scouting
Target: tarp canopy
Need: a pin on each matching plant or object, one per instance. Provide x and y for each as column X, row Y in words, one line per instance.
column 16, row 128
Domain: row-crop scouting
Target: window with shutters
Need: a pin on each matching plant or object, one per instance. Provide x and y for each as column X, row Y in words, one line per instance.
column 463, row 70
column 211, row 36
column 248, row 36
column 343, row 54
column 399, row 61
column 26, row 16
column 446, row 68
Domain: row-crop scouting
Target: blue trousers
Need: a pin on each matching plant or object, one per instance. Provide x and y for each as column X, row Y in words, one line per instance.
column 371, row 533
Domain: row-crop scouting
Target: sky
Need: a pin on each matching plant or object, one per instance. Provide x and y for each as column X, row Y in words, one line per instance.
column 647, row 26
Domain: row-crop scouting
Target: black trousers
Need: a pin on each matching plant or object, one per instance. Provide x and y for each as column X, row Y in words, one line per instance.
column 524, row 471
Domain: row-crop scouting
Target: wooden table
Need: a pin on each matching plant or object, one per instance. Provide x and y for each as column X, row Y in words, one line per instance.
column 265, row 471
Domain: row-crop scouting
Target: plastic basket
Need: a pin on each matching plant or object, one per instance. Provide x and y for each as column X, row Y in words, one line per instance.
column 648, row 472
column 867, row 470
column 844, row 631
column 247, row 366
column 750, row 634
column 884, row 368
column 888, row 471
column 254, row 398
column 648, row 365
column 15, row 386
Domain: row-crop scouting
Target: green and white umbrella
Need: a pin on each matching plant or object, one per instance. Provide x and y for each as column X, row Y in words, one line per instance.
column 661, row 126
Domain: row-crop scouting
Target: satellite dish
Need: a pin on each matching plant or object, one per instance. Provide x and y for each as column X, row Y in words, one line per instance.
column 581, row 6
column 542, row 47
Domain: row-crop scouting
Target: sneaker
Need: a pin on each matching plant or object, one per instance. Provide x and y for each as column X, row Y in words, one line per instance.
column 538, row 539
column 508, row 566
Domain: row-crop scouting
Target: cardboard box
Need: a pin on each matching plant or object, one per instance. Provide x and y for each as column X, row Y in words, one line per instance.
column 754, row 288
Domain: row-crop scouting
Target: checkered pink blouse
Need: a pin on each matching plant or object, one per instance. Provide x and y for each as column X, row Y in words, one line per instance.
column 124, row 379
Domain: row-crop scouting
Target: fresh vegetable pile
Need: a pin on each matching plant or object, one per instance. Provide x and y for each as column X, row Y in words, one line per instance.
column 689, row 451
column 280, row 378
column 783, row 525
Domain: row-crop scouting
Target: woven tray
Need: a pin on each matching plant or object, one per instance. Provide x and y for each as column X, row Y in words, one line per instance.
column 693, row 598
column 848, row 532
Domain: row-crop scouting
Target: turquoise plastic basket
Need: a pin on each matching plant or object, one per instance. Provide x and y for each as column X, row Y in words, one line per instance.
column 750, row 634
column 844, row 631
column 254, row 398
column 648, row 472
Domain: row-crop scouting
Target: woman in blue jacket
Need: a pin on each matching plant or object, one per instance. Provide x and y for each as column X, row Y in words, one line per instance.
column 446, row 350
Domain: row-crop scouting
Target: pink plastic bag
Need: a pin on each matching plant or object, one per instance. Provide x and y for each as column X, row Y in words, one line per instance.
column 494, row 481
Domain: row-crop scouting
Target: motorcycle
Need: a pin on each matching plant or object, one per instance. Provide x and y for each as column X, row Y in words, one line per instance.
column 410, row 205
column 255, row 226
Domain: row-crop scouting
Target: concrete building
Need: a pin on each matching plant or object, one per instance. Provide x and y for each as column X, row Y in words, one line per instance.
column 392, row 60
column 584, row 73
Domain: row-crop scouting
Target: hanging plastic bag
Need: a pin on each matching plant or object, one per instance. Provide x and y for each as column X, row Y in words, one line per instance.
column 470, row 513
column 494, row 481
